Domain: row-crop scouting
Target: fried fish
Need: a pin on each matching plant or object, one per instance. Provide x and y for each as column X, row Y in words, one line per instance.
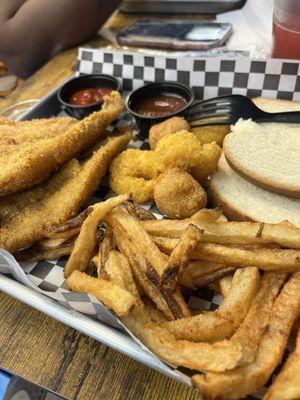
column 31, row 151
column 15, row 134
column 24, row 217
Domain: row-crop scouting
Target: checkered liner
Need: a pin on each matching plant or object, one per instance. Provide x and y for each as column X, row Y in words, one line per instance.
column 209, row 77
column 47, row 276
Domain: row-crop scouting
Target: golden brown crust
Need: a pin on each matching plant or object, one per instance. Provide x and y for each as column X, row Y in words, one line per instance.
column 134, row 171
column 165, row 128
column 23, row 165
column 178, row 195
column 25, row 217
column 212, row 133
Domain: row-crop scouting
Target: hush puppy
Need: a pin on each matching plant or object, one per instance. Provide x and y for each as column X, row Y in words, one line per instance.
column 178, row 195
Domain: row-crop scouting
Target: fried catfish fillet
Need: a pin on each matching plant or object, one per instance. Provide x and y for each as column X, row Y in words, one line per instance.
column 24, row 217
column 15, row 134
column 31, row 151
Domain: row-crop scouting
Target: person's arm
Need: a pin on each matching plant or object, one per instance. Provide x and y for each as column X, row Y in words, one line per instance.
column 32, row 31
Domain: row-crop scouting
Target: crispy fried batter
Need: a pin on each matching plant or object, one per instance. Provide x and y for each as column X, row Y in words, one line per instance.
column 178, row 195
column 28, row 158
column 134, row 171
column 184, row 150
column 211, row 133
column 25, row 217
column 14, row 135
column 165, row 128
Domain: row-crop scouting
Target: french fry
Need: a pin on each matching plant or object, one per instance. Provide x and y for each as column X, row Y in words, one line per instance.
column 47, row 249
column 213, row 277
column 287, row 384
column 207, row 356
column 225, row 285
column 250, row 332
column 70, row 228
column 180, row 258
column 111, row 295
column 119, row 272
column 148, row 287
column 142, row 241
column 150, row 259
column 171, row 305
column 153, row 311
column 197, row 271
column 86, row 242
column 142, row 262
column 207, row 215
column 105, row 248
column 266, row 259
column 241, row 381
column 222, row 218
column 138, row 212
column 221, row 323
column 283, row 234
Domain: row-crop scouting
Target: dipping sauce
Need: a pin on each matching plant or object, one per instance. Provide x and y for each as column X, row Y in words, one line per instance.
column 86, row 97
column 160, row 105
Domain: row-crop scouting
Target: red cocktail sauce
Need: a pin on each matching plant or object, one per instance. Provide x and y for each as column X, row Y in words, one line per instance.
column 86, row 97
column 159, row 105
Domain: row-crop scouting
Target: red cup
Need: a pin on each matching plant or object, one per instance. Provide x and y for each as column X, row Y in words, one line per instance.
column 286, row 29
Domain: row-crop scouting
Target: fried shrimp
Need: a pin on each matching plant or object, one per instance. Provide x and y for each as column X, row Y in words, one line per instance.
column 184, row 150
column 207, row 161
column 178, row 150
column 134, row 171
column 178, row 195
column 165, row 128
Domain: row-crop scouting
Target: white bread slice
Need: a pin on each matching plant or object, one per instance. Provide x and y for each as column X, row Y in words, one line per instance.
column 276, row 105
column 267, row 154
column 241, row 200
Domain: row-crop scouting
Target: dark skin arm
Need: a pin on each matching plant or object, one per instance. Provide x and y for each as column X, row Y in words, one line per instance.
column 33, row 31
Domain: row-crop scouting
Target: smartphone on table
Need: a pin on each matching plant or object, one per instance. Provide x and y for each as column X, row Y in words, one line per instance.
column 175, row 34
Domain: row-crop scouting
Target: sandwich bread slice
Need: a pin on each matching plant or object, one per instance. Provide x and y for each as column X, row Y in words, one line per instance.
column 242, row 200
column 267, row 154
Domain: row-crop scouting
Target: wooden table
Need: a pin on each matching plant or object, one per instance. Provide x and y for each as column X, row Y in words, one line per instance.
column 51, row 354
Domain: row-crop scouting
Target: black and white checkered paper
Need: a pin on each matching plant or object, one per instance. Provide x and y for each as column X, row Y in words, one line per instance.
column 209, row 77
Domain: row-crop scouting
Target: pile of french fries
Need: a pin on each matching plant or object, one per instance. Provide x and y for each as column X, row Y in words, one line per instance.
column 140, row 267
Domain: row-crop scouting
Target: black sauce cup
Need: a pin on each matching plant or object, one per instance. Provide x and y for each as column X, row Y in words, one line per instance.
column 143, row 122
column 84, row 82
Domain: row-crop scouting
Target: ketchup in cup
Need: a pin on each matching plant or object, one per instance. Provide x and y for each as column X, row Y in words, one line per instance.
column 286, row 29
column 88, row 96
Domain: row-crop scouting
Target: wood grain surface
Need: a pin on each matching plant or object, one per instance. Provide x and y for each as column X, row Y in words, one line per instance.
column 49, row 353
column 59, row 358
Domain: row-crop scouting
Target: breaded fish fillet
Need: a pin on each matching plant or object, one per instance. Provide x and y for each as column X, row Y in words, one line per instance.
column 24, row 216
column 15, row 134
column 29, row 157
